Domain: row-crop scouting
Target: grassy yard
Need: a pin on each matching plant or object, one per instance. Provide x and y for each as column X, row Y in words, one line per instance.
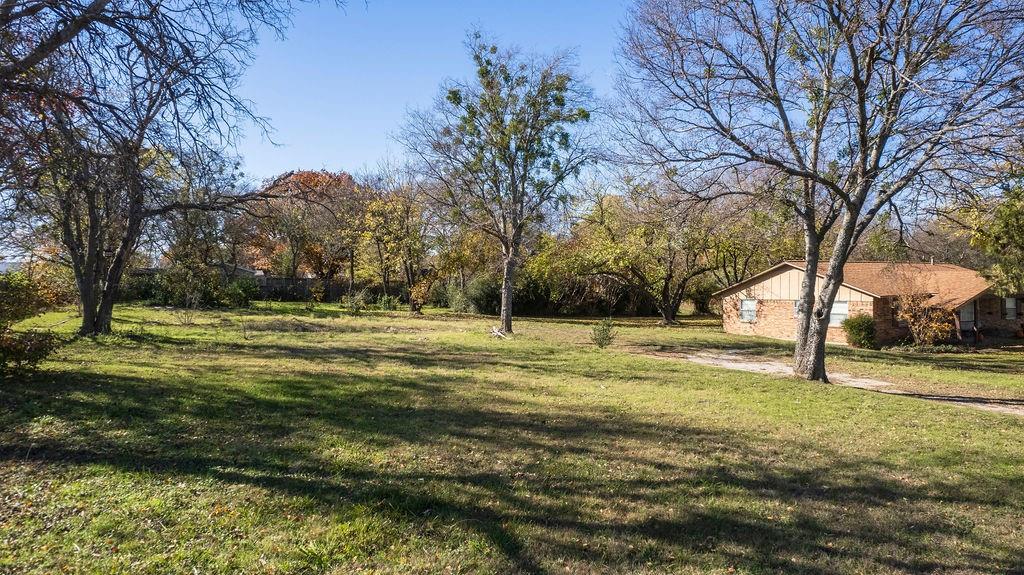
column 280, row 441
column 995, row 373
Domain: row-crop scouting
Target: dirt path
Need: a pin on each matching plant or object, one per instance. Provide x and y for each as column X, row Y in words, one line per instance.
column 736, row 360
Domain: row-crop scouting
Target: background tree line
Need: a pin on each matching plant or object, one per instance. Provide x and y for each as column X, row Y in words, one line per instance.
column 742, row 133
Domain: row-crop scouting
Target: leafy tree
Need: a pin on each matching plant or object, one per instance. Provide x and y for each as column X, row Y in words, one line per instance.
column 1000, row 233
column 396, row 225
column 332, row 222
column 750, row 237
column 883, row 241
column 650, row 242
column 499, row 151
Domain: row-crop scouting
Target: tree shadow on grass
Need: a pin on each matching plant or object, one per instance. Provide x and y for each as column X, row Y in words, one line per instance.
column 544, row 484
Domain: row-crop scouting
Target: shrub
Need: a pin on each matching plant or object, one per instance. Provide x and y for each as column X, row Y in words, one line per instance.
column 457, row 300
column 141, row 287
column 190, row 285
column 484, row 294
column 438, row 295
column 316, row 295
column 241, row 292
column 927, row 324
column 603, row 333
column 357, row 302
column 54, row 281
column 388, row 302
column 20, row 298
column 860, row 331
column 24, row 351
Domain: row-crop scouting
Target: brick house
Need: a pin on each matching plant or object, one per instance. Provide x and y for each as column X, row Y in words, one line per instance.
column 765, row 304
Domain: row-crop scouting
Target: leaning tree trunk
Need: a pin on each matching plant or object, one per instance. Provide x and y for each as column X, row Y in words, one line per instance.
column 507, row 281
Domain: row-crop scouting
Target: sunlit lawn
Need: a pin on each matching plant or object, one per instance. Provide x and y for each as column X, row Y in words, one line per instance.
column 279, row 441
column 987, row 372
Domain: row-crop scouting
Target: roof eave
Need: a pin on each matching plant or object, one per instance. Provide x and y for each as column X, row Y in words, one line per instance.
column 752, row 279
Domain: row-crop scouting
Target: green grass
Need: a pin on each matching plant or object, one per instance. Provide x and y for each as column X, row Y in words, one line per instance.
column 279, row 441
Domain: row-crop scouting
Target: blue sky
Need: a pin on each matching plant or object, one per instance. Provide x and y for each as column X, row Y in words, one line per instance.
column 338, row 87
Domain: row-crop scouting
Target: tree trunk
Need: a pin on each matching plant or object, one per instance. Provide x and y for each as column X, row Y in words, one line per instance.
column 105, row 314
column 810, row 363
column 805, row 305
column 87, row 301
column 383, row 270
column 351, row 271
column 507, row 282
column 668, row 315
column 809, row 358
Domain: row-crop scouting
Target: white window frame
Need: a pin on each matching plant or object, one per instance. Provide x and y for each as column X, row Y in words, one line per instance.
column 1010, row 303
column 744, row 311
column 962, row 311
column 834, row 318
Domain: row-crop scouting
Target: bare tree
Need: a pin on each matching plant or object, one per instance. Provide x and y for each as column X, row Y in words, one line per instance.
column 95, row 197
column 501, row 149
column 845, row 107
column 116, row 112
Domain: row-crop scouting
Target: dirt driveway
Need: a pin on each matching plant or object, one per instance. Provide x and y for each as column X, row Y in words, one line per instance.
column 736, row 360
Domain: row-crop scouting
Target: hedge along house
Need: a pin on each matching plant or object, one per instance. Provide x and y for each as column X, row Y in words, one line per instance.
column 765, row 304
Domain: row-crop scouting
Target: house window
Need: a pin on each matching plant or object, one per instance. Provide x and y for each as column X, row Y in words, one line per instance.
column 748, row 310
column 967, row 316
column 1010, row 304
column 796, row 308
column 840, row 311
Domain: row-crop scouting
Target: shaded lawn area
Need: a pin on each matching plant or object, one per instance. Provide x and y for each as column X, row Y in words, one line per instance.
column 287, row 442
column 994, row 373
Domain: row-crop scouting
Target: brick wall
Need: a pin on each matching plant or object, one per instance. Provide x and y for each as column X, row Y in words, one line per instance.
column 887, row 329
column 992, row 320
column 775, row 319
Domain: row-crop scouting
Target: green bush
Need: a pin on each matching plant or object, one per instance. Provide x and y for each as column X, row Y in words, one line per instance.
column 484, row 293
column 24, row 351
column 603, row 333
column 457, row 300
column 141, row 287
column 241, row 292
column 20, row 298
column 357, row 302
column 438, row 294
column 388, row 302
column 190, row 285
column 860, row 331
